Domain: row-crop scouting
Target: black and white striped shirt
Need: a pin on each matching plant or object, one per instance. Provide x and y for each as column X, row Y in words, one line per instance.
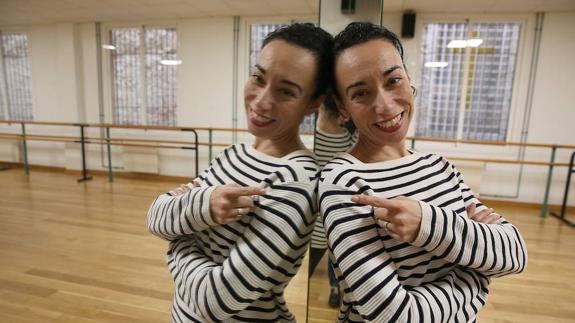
column 326, row 146
column 443, row 276
column 237, row 272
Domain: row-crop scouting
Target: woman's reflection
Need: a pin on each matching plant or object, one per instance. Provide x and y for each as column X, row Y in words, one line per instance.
column 239, row 232
column 333, row 134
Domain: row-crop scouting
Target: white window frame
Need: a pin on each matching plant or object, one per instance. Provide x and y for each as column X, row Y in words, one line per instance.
column 3, row 89
column 107, row 69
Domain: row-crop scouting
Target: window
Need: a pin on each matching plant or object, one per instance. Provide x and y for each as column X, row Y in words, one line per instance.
column 144, row 64
column 467, row 80
column 15, row 92
column 258, row 33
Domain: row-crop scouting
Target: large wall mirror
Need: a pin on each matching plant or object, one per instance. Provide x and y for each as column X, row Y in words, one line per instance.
column 331, row 136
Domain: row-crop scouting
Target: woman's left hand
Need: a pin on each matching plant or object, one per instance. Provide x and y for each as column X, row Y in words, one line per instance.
column 401, row 216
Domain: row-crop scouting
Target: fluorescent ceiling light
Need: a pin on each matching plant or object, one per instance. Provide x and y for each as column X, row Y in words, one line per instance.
column 462, row 43
column 474, row 42
column 171, row 62
column 110, row 47
column 457, row 43
column 436, row 64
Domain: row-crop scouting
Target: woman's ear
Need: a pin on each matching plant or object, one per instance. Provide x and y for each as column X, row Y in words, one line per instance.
column 341, row 108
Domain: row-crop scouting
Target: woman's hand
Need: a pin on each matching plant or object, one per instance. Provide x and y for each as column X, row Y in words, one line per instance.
column 184, row 188
column 487, row 216
column 229, row 203
column 401, row 217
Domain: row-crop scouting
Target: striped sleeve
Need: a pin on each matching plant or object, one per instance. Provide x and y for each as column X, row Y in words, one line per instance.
column 172, row 216
column 493, row 249
column 370, row 275
column 267, row 254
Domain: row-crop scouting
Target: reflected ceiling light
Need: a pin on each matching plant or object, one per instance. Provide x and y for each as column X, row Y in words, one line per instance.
column 171, row 62
column 457, row 43
column 474, row 42
column 436, row 64
column 110, row 47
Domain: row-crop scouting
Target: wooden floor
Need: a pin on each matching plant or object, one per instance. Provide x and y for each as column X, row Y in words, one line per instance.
column 80, row 252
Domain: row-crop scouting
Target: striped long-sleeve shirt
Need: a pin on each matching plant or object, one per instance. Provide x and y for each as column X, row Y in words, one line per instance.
column 443, row 275
column 326, row 146
column 237, row 272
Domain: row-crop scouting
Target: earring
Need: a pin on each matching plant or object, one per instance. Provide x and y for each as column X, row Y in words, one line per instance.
column 342, row 119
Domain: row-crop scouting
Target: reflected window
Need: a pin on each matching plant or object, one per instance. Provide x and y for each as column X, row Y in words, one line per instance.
column 15, row 89
column 144, row 67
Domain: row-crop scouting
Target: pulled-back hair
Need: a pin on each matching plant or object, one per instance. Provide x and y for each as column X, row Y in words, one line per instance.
column 318, row 42
column 361, row 32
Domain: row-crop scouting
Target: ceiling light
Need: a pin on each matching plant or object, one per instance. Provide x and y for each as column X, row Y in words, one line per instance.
column 436, row 64
column 457, row 43
column 474, row 42
column 171, row 62
column 110, row 47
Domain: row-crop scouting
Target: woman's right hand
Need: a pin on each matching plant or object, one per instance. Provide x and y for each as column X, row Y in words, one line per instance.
column 229, row 203
column 486, row 216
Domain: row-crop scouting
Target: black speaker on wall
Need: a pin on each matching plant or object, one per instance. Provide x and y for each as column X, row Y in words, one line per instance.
column 347, row 7
column 408, row 24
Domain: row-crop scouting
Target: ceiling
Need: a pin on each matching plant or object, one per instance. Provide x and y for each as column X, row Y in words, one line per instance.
column 18, row 12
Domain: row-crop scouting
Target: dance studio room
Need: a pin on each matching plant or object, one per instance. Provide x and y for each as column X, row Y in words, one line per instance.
column 287, row 161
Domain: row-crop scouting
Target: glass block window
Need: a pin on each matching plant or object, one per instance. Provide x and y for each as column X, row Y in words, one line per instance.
column 487, row 53
column 490, row 81
column 440, row 91
column 308, row 124
column 126, row 69
column 161, row 45
column 144, row 66
column 258, row 33
column 16, row 92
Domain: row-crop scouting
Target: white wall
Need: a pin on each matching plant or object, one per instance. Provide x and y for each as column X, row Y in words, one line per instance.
column 553, row 109
column 64, row 83
column 205, row 83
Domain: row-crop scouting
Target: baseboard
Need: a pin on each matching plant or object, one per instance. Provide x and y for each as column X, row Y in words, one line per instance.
column 103, row 173
column 550, row 207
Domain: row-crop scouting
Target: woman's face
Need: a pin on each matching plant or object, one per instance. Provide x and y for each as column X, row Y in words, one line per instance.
column 375, row 92
column 279, row 92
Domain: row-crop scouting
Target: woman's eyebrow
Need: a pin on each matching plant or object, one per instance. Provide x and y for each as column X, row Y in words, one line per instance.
column 351, row 86
column 388, row 70
column 286, row 81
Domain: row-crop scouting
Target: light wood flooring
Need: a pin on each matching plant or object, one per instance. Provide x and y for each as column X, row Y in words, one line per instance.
column 80, row 252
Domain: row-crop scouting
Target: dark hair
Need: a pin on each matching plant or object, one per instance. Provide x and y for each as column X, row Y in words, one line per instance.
column 361, row 32
column 332, row 110
column 318, row 42
column 331, row 106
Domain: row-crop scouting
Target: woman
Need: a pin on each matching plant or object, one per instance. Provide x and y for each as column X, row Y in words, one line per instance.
column 239, row 233
column 396, row 220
